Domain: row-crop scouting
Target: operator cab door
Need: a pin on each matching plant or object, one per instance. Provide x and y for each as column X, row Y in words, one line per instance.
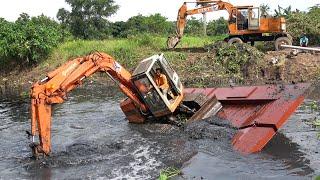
column 254, row 18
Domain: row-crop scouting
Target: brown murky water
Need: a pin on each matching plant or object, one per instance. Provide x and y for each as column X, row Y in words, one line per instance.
column 91, row 139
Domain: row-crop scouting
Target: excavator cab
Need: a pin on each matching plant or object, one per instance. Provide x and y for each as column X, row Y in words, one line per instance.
column 157, row 101
column 248, row 18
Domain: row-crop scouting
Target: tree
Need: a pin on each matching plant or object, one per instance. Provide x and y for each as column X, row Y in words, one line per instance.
column 158, row 24
column 119, row 29
column 88, row 18
column 194, row 27
column 283, row 12
column 217, row 27
column 154, row 24
column 265, row 10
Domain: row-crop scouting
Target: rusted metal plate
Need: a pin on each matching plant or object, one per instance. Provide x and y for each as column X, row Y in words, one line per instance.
column 258, row 111
column 239, row 92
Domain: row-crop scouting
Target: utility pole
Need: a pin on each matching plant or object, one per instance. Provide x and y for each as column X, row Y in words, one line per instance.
column 204, row 19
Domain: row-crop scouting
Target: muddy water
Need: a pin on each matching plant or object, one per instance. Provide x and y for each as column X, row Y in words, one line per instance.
column 91, row 139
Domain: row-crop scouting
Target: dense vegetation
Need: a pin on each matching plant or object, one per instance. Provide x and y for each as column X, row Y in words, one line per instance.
column 298, row 22
column 153, row 24
column 306, row 22
column 28, row 40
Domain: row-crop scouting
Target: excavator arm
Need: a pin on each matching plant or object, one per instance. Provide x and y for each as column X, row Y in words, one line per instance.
column 54, row 88
column 206, row 6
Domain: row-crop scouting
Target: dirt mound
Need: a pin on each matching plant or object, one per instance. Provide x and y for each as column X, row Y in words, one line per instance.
column 289, row 67
column 225, row 64
column 241, row 59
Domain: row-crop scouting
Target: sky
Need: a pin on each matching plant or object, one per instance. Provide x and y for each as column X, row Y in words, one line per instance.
column 10, row 9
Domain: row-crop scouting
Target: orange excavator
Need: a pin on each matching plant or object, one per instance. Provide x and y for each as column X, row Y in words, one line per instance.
column 244, row 24
column 256, row 111
column 145, row 100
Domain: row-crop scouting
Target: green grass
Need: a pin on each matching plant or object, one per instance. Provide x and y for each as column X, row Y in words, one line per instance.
column 168, row 173
column 127, row 51
column 190, row 41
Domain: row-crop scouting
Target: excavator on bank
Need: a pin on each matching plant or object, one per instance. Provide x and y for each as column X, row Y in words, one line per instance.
column 257, row 111
column 245, row 24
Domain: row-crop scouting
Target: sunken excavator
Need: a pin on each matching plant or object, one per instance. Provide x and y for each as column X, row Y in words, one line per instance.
column 245, row 24
column 145, row 100
column 256, row 111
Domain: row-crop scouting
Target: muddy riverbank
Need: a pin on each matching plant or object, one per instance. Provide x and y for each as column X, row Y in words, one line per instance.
column 218, row 65
column 92, row 139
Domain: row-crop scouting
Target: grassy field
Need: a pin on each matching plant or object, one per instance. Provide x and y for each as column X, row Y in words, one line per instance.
column 126, row 51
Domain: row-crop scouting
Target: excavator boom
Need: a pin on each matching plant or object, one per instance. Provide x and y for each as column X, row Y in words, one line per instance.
column 54, row 88
column 208, row 6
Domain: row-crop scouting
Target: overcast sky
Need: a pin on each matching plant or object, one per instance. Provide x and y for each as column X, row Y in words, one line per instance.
column 10, row 9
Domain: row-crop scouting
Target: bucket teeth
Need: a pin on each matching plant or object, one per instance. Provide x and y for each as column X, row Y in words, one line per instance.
column 36, row 150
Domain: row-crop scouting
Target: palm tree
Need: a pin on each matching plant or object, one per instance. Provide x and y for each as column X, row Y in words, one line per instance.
column 287, row 11
column 264, row 9
column 283, row 12
column 278, row 12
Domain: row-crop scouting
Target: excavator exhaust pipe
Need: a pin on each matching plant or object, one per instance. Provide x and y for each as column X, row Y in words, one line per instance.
column 172, row 42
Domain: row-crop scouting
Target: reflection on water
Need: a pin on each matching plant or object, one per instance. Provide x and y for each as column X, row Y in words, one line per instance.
column 92, row 139
column 283, row 149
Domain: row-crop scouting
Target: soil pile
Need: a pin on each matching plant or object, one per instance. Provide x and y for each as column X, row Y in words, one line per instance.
column 239, row 59
column 291, row 67
column 224, row 64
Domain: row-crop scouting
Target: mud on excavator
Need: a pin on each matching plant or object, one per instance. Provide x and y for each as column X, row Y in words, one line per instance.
column 245, row 24
column 145, row 100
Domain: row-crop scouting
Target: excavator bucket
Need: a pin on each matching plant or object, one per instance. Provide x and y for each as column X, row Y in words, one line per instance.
column 172, row 42
column 210, row 108
column 257, row 111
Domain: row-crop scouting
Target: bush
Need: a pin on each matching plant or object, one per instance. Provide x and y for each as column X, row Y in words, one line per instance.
column 241, row 59
column 29, row 40
column 7, row 36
